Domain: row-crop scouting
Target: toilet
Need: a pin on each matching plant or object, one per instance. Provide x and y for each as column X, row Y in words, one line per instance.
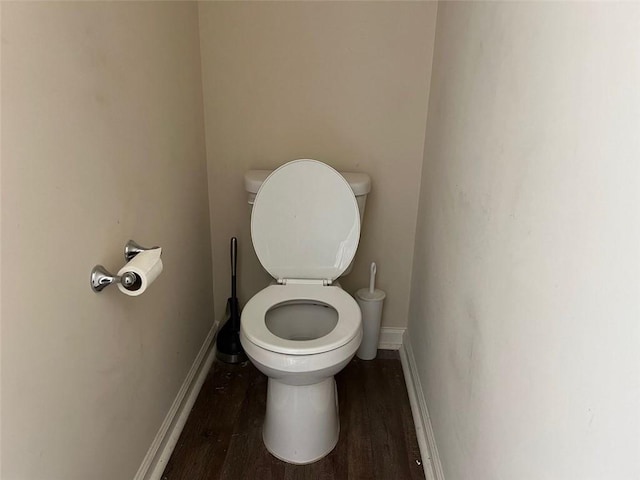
column 304, row 328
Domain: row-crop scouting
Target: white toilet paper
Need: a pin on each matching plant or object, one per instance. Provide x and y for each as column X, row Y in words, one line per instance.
column 147, row 266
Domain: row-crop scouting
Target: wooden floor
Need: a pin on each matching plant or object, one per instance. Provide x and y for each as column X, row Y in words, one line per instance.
column 222, row 438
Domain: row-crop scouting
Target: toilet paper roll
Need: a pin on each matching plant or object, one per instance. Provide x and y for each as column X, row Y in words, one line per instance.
column 146, row 266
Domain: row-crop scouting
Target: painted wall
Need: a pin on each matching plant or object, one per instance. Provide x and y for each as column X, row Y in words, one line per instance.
column 345, row 83
column 102, row 141
column 525, row 291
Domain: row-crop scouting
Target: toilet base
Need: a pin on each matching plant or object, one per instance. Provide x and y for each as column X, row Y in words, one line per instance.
column 301, row 424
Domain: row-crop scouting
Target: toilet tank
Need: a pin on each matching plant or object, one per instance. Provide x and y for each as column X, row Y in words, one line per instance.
column 360, row 184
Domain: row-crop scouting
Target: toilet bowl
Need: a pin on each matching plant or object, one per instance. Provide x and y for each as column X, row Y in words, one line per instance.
column 300, row 332
column 302, row 420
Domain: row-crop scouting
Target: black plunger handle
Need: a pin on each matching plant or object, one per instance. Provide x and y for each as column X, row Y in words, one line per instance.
column 234, row 265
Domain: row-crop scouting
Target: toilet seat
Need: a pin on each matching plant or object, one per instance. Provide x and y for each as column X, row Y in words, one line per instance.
column 255, row 329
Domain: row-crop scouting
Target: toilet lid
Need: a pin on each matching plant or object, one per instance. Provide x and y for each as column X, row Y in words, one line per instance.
column 305, row 222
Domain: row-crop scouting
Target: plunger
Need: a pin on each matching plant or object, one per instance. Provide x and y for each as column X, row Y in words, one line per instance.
column 228, row 346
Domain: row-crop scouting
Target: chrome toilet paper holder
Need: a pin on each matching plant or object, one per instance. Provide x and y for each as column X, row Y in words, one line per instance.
column 102, row 278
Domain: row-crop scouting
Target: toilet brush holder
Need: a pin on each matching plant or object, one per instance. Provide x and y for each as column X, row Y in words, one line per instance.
column 371, row 306
column 370, row 301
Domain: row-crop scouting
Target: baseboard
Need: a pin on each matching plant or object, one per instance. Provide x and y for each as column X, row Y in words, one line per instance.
column 424, row 432
column 390, row 338
column 162, row 447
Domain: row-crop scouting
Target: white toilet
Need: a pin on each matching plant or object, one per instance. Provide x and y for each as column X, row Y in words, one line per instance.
column 300, row 332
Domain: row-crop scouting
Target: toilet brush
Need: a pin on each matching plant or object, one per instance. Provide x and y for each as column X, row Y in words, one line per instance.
column 370, row 301
column 228, row 346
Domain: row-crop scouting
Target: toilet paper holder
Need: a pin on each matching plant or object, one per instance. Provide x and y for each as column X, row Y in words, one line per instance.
column 102, row 278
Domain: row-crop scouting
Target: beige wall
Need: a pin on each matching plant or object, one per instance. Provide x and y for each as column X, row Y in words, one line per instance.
column 102, row 141
column 345, row 83
column 526, row 288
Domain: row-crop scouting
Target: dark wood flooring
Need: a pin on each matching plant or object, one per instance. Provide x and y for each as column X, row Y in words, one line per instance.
column 222, row 438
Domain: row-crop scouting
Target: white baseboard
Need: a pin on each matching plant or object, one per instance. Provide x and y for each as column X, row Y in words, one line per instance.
column 162, row 447
column 390, row 338
column 424, row 432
